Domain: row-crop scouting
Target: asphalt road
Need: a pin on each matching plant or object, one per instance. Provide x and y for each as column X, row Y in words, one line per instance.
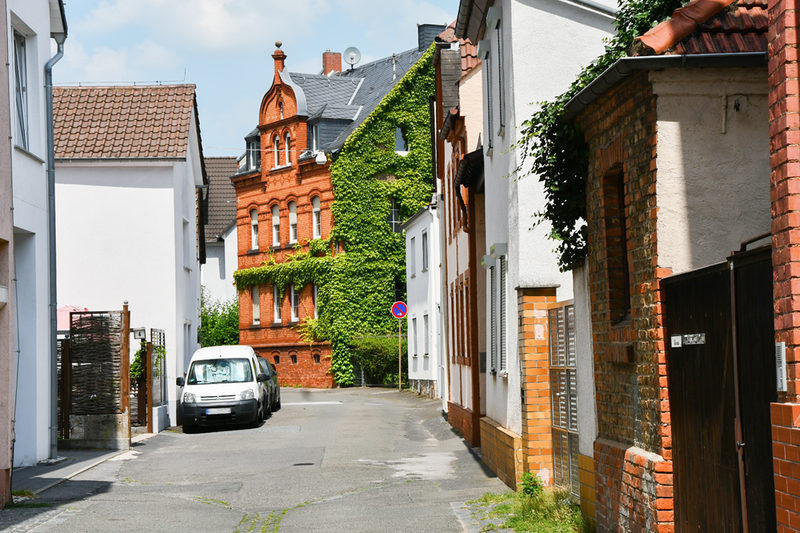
column 330, row 460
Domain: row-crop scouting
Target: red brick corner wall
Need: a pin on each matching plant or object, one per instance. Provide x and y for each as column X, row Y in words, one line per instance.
column 784, row 132
column 633, row 455
column 461, row 419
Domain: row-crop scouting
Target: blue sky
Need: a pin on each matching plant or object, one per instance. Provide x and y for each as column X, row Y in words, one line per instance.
column 224, row 47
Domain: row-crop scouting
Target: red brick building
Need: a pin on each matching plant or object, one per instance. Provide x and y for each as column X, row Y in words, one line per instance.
column 678, row 148
column 284, row 194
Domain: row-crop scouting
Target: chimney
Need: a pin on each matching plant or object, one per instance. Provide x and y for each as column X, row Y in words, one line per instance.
column 279, row 58
column 331, row 62
column 426, row 33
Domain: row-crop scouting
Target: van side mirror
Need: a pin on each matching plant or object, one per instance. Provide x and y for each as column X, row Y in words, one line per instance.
column 261, row 378
column 180, row 382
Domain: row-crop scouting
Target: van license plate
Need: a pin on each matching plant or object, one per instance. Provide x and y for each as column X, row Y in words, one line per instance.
column 219, row 411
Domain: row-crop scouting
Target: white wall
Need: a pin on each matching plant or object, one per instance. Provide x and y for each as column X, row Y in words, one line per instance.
column 713, row 163
column 584, row 358
column 120, row 237
column 423, row 298
column 33, row 399
column 216, row 275
column 545, row 45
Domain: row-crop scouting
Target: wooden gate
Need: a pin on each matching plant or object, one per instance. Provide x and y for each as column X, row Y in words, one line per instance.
column 721, row 368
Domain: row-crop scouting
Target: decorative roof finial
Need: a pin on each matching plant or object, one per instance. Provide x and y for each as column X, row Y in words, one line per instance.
column 278, row 44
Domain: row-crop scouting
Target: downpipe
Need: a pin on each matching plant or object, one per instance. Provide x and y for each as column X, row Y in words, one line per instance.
column 51, row 221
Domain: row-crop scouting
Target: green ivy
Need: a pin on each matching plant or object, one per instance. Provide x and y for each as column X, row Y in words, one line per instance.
column 356, row 288
column 556, row 148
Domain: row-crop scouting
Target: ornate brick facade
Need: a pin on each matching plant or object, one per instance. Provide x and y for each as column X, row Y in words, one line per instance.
column 282, row 179
column 630, row 365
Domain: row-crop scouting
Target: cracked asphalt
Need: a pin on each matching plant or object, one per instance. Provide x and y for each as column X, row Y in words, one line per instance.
column 350, row 460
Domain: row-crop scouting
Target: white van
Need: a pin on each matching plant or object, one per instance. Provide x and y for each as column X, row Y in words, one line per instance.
column 224, row 384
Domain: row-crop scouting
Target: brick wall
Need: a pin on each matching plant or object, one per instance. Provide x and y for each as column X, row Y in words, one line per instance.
column 587, row 481
column 784, row 132
column 461, row 420
column 534, row 356
column 501, row 451
column 262, row 189
column 630, row 359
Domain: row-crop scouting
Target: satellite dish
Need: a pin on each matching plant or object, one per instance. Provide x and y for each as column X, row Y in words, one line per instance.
column 352, row 56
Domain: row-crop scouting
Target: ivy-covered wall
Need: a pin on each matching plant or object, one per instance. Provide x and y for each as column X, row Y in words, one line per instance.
column 356, row 287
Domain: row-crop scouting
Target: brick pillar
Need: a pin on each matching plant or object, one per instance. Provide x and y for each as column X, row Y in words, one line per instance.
column 784, row 133
column 534, row 356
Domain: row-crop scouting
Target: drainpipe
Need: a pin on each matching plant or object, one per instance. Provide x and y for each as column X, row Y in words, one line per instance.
column 51, row 221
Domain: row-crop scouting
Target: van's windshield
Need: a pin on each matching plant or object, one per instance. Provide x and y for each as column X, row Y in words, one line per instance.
column 208, row 371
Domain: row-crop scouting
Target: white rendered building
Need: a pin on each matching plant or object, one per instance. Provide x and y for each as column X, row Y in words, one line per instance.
column 129, row 211
column 426, row 371
column 30, row 24
column 220, row 232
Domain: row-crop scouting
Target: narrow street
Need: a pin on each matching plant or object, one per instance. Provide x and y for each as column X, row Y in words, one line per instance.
column 329, row 460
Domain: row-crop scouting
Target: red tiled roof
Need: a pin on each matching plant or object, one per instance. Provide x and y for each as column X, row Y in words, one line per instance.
column 122, row 122
column 469, row 52
column 709, row 27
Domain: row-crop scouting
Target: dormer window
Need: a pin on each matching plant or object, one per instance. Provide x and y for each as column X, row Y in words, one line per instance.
column 400, row 141
column 286, row 148
column 276, row 149
column 254, row 154
column 314, row 138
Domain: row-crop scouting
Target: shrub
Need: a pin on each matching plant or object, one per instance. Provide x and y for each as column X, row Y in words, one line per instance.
column 377, row 357
column 219, row 322
column 532, row 484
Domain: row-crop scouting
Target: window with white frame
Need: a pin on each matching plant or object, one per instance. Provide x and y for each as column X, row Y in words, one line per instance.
column 426, row 334
column 292, row 222
column 484, row 49
column 286, row 149
column 295, row 298
column 316, row 214
column 400, row 140
column 424, row 251
column 492, row 320
column 276, row 150
column 276, row 304
column 276, row 226
column 414, row 334
column 255, row 299
column 280, row 109
column 254, row 154
column 254, row 229
column 502, row 318
column 501, row 103
column 314, row 133
column 394, row 215
column 21, row 89
column 412, row 257
column 315, row 295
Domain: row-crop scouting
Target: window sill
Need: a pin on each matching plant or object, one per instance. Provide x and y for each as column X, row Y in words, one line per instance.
column 503, row 374
column 412, row 276
column 414, row 356
column 276, row 325
column 276, row 247
column 187, row 268
column 424, row 270
column 254, row 251
column 401, row 153
column 29, row 154
column 280, row 168
column 255, row 325
column 294, row 322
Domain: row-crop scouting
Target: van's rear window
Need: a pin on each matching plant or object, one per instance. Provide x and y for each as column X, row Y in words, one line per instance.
column 220, row 371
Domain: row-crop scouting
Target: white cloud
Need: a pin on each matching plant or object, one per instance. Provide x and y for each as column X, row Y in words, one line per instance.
column 144, row 61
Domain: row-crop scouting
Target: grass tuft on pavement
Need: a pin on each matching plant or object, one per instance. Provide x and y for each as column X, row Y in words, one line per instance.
column 550, row 511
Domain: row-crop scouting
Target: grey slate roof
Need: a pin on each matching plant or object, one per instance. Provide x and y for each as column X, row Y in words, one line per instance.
column 379, row 78
column 221, row 196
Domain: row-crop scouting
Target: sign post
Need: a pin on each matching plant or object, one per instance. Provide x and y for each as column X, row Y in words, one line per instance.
column 399, row 310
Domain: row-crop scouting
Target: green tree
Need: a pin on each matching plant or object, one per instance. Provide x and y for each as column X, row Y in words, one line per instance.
column 219, row 322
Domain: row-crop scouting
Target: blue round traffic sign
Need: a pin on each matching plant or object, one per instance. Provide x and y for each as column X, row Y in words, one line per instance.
column 399, row 309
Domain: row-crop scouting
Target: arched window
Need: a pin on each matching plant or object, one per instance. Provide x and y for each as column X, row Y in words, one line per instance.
column 254, row 229
column 276, row 149
column 286, row 148
column 280, row 108
column 256, row 300
column 292, row 222
column 276, row 226
column 317, row 217
column 400, row 140
column 276, row 304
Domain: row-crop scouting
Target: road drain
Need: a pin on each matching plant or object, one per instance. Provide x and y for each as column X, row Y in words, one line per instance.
column 303, row 464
